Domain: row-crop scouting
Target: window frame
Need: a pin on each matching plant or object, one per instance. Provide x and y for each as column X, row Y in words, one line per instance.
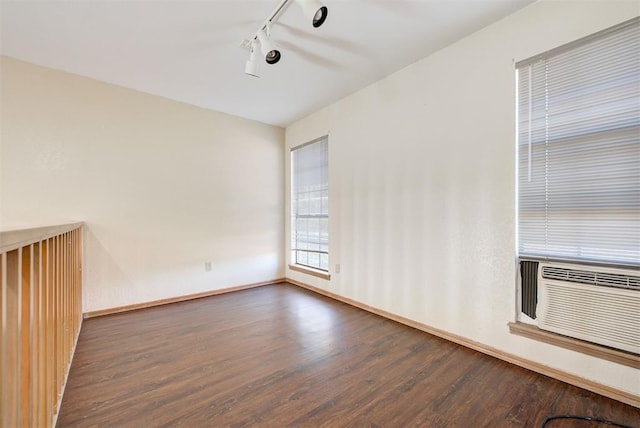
column 316, row 269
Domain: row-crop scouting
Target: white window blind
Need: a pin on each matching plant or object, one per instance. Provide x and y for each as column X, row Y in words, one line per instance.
column 310, row 205
column 579, row 150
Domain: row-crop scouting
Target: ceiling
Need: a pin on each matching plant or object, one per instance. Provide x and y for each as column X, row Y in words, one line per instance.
column 190, row 50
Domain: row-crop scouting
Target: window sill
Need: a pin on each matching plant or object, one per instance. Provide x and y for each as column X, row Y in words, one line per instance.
column 588, row 348
column 310, row 271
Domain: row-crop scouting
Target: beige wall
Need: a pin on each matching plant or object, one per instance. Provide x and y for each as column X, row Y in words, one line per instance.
column 162, row 186
column 422, row 185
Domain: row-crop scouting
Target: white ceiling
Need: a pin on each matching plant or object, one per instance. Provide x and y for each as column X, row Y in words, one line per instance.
column 190, row 50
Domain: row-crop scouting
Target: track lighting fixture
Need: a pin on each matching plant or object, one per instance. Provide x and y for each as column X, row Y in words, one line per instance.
column 269, row 50
column 313, row 10
column 251, row 68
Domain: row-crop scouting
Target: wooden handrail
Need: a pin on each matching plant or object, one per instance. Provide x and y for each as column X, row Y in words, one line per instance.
column 41, row 316
column 13, row 239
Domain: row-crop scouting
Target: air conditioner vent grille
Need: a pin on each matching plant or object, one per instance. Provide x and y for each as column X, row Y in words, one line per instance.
column 591, row 277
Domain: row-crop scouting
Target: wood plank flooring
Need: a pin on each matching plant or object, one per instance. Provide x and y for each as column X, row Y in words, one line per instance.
column 279, row 356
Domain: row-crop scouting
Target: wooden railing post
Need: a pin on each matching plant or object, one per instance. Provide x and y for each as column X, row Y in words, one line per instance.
column 40, row 317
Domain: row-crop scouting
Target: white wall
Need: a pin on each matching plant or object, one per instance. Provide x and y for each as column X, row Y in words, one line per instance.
column 162, row 186
column 422, row 185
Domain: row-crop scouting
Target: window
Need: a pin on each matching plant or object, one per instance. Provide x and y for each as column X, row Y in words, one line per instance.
column 310, row 205
column 579, row 195
column 579, row 150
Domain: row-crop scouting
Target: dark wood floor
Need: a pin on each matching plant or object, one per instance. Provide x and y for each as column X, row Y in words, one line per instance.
column 280, row 356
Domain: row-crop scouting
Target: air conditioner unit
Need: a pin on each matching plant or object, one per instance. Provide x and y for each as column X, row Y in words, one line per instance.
column 596, row 304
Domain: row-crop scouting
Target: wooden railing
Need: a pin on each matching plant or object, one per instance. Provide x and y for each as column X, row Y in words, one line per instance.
column 41, row 315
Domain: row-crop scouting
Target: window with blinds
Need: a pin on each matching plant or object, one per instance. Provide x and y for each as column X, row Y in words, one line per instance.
column 310, row 205
column 579, row 150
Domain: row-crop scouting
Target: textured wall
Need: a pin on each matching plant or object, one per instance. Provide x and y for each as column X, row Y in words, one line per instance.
column 422, row 185
column 162, row 186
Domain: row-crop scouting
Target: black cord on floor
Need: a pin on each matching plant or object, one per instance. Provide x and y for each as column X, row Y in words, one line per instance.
column 584, row 418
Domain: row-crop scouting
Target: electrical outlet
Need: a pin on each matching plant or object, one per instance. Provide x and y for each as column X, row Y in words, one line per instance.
column 207, row 266
column 338, row 268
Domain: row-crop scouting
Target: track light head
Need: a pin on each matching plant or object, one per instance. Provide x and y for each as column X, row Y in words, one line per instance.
column 272, row 56
column 251, row 67
column 320, row 16
column 269, row 50
column 313, row 10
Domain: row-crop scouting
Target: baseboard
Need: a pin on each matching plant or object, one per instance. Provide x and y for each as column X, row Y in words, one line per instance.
column 560, row 375
column 144, row 305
